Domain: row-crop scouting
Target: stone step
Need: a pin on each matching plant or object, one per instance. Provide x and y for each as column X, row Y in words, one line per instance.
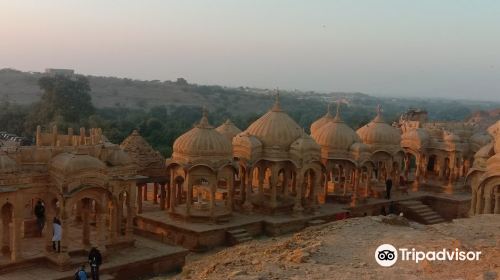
column 238, row 236
column 410, row 202
column 236, row 231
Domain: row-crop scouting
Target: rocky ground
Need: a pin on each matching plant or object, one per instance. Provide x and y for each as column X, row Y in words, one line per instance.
column 345, row 250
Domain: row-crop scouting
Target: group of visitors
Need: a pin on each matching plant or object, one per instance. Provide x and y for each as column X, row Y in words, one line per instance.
column 95, row 258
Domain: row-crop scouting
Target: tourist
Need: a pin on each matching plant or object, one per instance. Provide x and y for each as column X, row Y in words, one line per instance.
column 388, row 187
column 95, row 260
column 81, row 274
column 56, row 238
column 40, row 216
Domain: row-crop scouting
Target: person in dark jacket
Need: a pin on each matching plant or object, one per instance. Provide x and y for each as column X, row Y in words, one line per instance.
column 95, row 260
column 40, row 216
column 388, row 187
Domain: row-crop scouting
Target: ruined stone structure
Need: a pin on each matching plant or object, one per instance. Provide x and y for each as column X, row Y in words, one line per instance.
column 81, row 179
column 484, row 176
column 151, row 167
column 438, row 155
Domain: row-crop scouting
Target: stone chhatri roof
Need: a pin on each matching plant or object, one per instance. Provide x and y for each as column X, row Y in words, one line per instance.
column 202, row 143
column 275, row 128
column 377, row 132
column 228, row 129
column 149, row 161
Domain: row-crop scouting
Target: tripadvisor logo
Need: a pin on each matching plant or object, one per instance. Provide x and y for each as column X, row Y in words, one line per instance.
column 387, row 255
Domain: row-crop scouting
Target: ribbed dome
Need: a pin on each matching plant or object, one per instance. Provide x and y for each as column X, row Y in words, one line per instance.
column 377, row 132
column 321, row 121
column 228, row 129
column 275, row 128
column 71, row 163
column 6, row 163
column 202, row 141
column 335, row 135
column 359, row 147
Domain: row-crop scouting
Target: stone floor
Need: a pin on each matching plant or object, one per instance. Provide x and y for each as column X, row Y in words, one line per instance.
column 143, row 250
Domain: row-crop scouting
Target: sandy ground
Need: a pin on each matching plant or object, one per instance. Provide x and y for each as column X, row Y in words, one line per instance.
column 346, row 249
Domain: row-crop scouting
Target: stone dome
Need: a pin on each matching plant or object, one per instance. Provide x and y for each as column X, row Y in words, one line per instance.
column 480, row 139
column 377, row 132
column 69, row 163
column 450, row 137
column 118, row 157
column 6, row 163
column 321, row 121
column 359, row 148
column 419, row 137
column 202, row 142
column 275, row 129
column 336, row 135
column 228, row 129
column 305, row 144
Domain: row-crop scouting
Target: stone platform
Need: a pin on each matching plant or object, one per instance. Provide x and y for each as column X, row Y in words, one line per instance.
column 145, row 258
column 157, row 224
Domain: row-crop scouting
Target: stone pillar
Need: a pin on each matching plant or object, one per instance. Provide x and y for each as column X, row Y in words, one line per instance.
column 54, row 135
column 189, row 198
column 145, row 191
column 357, row 176
column 112, row 229
column 82, row 136
column 286, row 175
column 163, row 195
column 261, row 183
column 247, row 205
column 297, row 208
column 273, row 182
column 155, row 193
column 15, row 238
column 172, row 196
column 487, row 205
column 101, row 232
column 49, row 216
column 230, row 194
column 139, row 199
column 212, row 201
column 344, row 182
column 479, row 202
column 38, row 136
column 497, row 204
column 473, row 202
column 129, row 228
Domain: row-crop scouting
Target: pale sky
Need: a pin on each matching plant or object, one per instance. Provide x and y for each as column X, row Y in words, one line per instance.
column 443, row 48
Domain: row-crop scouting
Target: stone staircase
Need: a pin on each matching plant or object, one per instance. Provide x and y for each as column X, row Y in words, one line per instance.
column 237, row 236
column 422, row 213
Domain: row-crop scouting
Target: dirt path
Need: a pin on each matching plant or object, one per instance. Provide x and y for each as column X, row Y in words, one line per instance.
column 345, row 250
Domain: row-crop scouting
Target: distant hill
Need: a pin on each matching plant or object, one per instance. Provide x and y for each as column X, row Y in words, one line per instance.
column 22, row 88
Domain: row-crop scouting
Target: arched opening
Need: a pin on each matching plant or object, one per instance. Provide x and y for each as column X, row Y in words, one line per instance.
column 309, row 184
column 431, row 163
column 7, row 212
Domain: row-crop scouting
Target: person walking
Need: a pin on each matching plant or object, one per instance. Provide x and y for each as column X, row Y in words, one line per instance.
column 388, row 187
column 40, row 216
column 95, row 260
column 56, row 238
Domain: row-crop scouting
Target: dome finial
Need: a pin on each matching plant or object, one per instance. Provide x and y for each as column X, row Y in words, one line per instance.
column 337, row 114
column 204, row 118
column 378, row 118
column 277, row 106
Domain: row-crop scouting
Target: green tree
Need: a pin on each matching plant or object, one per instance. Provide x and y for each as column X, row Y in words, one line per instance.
column 65, row 101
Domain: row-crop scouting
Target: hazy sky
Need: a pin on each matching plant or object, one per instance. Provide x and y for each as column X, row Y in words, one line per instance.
column 381, row 47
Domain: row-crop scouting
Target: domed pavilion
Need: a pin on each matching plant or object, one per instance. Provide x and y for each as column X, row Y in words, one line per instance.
column 345, row 158
column 201, row 175
column 280, row 166
column 384, row 143
column 485, row 176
